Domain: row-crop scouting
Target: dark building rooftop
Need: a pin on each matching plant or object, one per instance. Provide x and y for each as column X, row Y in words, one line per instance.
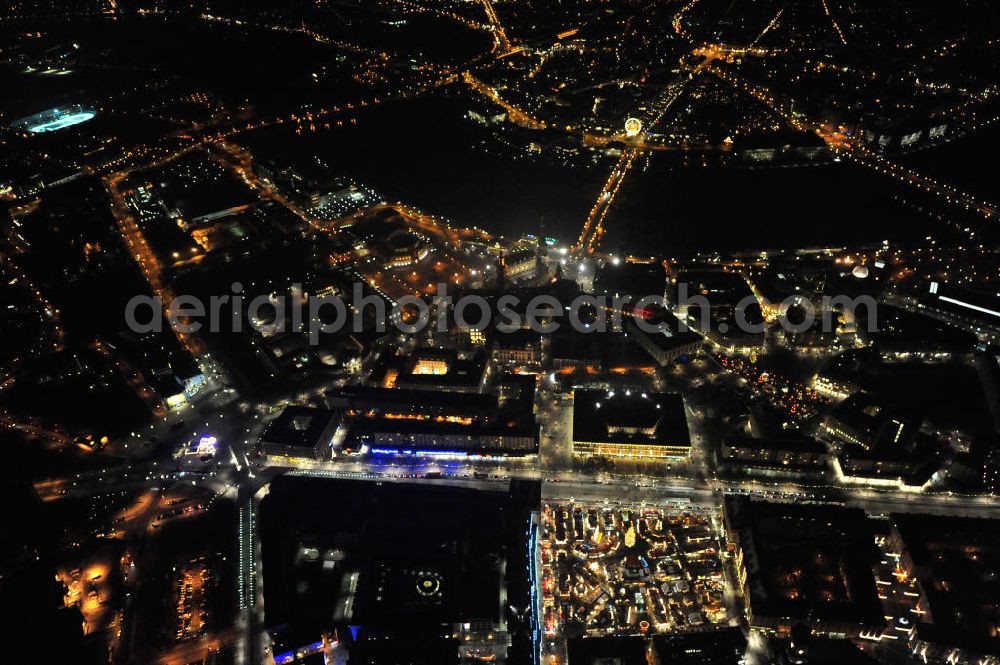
column 634, row 279
column 801, row 444
column 516, row 436
column 298, row 427
column 514, row 339
column 605, row 350
column 402, row 400
column 629, row 416
column 607, row 651
column 669, row 337
column 900, row 330
column 975, row 307
column 207, row 199
column 863, row 420
column 721, row 288
column 955, row 561
column 391, row 567
column 720, row 647
column 433, row 369
column 405, row 421
column 814, row 650
column 806, row 564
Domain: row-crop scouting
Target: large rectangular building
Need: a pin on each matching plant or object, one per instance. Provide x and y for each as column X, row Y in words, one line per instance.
column 975, row 311
column 389, row 436
column 774, row 457
column 355, row 401
column 879, row 446
column 862, row 420
column 630, row 423
column 397, row 573
column 434, row 369
column 518, row 348
column 805, row 565
column 954, row 562
column 393, row 421
column 732, row 311
column 668, row 344
column 300, row 432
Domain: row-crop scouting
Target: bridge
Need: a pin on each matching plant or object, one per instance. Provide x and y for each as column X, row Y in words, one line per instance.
column 499, row 34
column 593, row 227
column 852, row 149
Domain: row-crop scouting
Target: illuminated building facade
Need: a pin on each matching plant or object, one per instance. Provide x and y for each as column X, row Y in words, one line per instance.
column 519, row 263
column 404, row 249
column 433, row 366
column 520, row 347
column 896, row 469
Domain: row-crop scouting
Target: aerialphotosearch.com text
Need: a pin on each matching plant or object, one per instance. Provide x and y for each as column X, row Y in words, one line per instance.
column 359, row 311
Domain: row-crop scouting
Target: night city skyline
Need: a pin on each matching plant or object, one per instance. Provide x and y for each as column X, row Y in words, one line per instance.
column 500, row 332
